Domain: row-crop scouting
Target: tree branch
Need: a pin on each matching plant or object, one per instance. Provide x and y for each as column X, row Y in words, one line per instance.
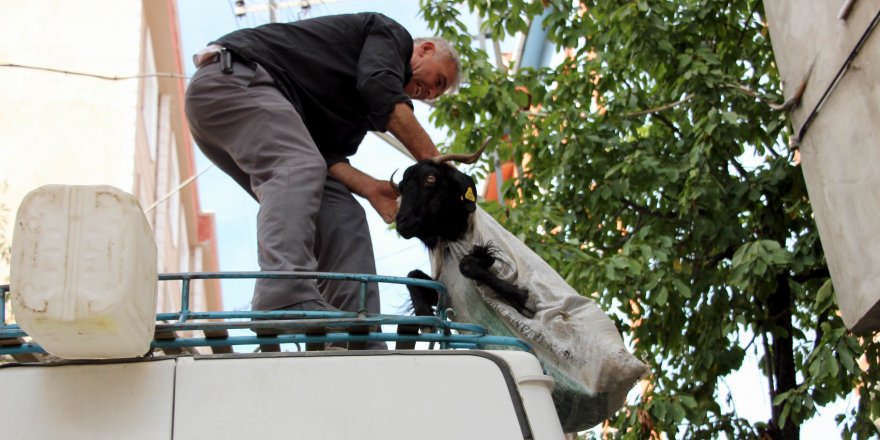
column 648, row 211
column 746, row 24
column 768, row 360
column 669, row 124
column 715, row 259
column 785, row 106
column 819, row 333
column 659, row 109
column 819, row 272
column 740, row 168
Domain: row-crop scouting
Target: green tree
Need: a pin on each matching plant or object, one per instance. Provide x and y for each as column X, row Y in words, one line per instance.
column 658, row 180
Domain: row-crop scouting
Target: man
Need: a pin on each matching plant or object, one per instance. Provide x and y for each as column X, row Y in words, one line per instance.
column 280, row 107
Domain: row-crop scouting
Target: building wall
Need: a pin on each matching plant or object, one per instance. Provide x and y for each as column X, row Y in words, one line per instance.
column 65, row 128
column 841, row 149
column 130, row 133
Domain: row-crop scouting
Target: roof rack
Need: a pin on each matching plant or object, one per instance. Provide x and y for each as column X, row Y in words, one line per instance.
column 272, row 328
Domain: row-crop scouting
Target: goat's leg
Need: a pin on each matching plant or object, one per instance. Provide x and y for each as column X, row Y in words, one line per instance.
column 423, row 299
column 475, row 266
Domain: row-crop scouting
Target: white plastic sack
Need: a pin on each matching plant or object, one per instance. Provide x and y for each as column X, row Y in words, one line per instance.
column 576, row 343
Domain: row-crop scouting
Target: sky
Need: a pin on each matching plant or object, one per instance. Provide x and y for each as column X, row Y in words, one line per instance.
column 202, row 21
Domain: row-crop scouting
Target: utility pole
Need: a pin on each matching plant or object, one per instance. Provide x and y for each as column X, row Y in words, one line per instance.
column 241, row 7
column 499, row 174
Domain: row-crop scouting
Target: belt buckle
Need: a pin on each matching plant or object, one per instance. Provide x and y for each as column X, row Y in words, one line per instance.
column 207, row 55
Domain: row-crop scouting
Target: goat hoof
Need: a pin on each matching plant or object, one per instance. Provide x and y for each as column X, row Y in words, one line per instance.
column 472, row 267
column 483, row 256
column 418, row 274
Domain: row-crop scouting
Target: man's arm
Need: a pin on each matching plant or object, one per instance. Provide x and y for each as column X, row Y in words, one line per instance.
column 406, row 128
column 380, row 193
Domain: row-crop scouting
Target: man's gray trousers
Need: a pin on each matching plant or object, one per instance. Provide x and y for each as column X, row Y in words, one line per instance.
column 307, row 221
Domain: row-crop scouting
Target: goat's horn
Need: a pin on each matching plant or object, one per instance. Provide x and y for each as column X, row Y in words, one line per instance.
column 462, row 158
column 391, row 181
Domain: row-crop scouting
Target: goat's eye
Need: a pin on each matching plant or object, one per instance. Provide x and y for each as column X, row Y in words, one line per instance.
column 430, row 179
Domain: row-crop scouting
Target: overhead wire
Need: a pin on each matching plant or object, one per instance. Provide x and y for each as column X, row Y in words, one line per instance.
column 844, row 68
column 95, row 75
column 118, row 78
column 178, row 188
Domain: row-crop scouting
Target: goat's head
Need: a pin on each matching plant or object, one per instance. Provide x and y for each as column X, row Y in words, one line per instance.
column 436, row 199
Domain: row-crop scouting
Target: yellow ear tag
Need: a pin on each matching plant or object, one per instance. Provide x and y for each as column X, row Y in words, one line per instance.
column 470, row 195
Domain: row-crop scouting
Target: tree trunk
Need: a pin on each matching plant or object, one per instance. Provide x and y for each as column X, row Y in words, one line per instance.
column 782, row 359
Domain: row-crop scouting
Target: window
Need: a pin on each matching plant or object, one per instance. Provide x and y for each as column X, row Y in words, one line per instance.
column 150, row 101
column 174, row 211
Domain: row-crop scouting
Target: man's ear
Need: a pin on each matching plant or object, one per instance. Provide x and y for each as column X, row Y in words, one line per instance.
column 467, row 190
column 426, row 47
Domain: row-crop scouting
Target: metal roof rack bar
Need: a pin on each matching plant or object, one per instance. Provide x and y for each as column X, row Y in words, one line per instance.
column 292, row 326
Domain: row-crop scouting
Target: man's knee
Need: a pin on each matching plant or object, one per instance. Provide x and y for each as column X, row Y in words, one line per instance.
column 312, row 165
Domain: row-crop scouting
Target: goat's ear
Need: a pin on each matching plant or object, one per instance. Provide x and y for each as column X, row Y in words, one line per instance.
column 467, row 189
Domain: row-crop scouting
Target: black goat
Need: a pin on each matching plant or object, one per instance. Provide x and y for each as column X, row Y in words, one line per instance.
column 573, row 339
column 436, row 201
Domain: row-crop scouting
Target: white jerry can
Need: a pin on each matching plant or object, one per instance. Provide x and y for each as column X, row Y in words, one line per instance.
column 83, row 275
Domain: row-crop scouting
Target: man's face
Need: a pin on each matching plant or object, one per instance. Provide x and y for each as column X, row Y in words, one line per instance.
column 431, row 76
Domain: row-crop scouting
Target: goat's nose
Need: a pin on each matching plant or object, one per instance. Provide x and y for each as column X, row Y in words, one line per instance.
column 404, row 220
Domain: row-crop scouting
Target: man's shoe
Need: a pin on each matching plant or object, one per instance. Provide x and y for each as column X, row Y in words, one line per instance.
column 311, row 305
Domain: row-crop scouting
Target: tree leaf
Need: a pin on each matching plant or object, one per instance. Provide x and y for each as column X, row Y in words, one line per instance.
column 688, row 401
column 824, row 296
column 681, row 288
column 661, row 297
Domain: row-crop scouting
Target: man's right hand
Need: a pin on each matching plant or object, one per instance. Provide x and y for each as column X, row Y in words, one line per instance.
column 406, row 128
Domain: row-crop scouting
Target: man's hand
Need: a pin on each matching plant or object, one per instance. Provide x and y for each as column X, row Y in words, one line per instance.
column 406, row 128
column 381, row 195
column 384, row 200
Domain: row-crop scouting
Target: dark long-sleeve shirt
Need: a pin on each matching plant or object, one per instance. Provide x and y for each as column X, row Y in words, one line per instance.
column 344, row 74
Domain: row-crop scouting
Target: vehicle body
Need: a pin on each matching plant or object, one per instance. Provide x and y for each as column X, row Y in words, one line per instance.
column 459, row 390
